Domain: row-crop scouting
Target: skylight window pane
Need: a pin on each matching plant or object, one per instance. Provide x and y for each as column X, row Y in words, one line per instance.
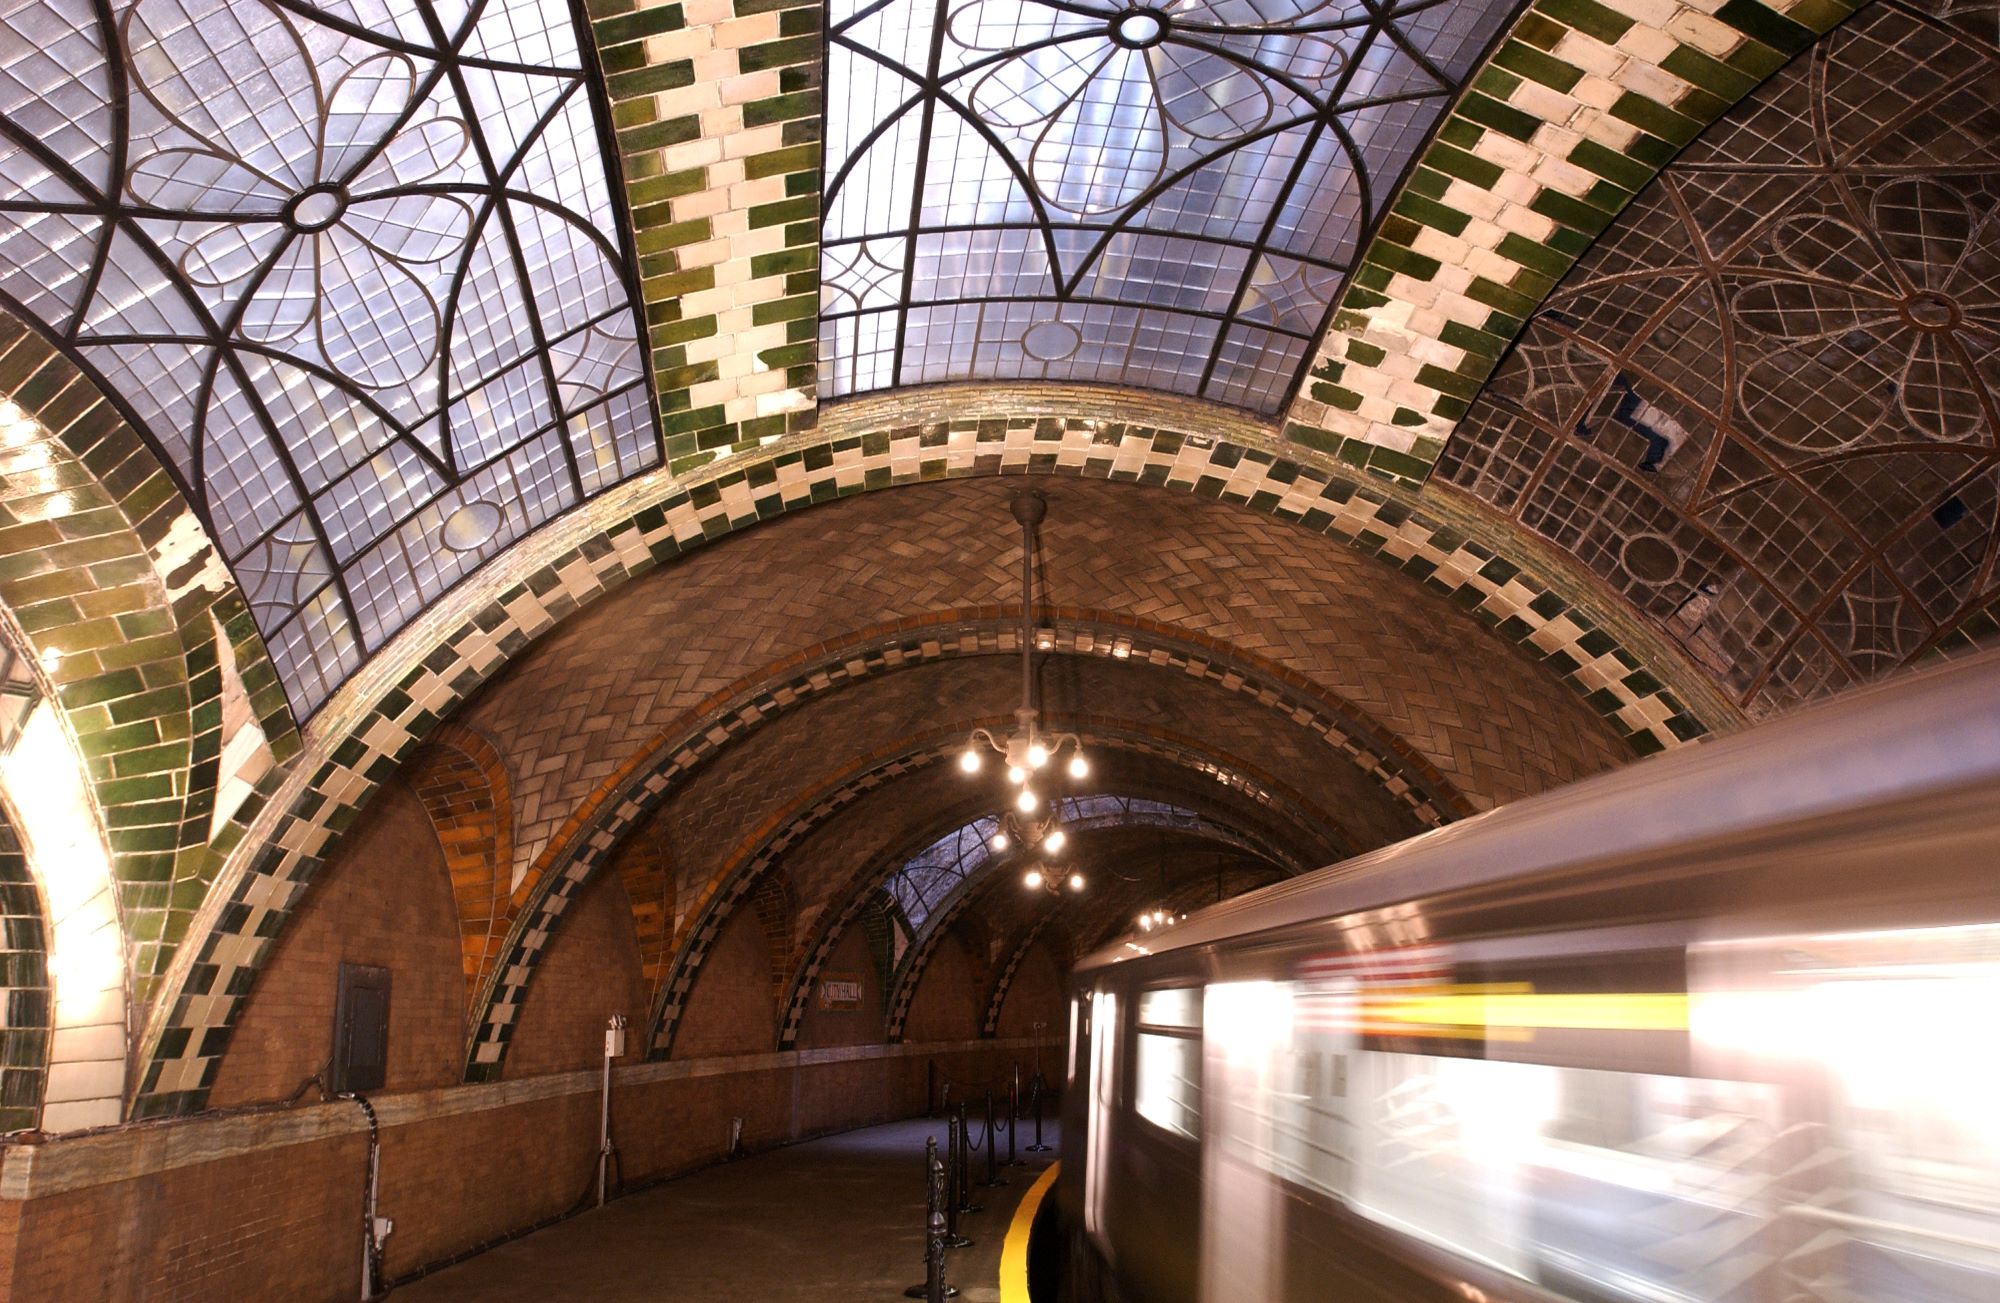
column 1090, row 185
column 386, row 359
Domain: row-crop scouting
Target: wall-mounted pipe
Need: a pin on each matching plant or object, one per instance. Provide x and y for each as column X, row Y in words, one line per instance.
column 614, row 1047
column 375, row 1230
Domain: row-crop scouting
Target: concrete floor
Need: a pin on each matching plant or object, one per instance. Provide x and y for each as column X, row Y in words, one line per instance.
column 837, row 1220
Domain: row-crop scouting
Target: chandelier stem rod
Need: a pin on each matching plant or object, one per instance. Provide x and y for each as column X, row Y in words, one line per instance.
column 1028, row 508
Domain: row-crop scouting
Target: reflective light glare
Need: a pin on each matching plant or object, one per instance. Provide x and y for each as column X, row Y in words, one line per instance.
column 1032, row 879
column 1016, row 775
column 1026, row 801
column 1146, row 922
column 1078, row 766
column 1055, row 841
column 969, row 761
column 1076, row 882
column 1038, row 755
column 999, row 842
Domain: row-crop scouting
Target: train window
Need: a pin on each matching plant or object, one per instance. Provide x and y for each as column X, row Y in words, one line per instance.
column 1166, row 1060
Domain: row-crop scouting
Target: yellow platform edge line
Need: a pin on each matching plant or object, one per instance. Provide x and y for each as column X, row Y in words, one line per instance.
column 1014, row 1253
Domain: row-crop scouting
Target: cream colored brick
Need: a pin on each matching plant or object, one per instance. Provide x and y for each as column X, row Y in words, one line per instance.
column 699, row 152
column 753, row 30
column 1492, row 266
column 1476, row 200
column 704, row 253
column 1527, row 223
column 1559, row 141
column 1610, row 132
column 764, row 190
column 1564, row 176
column 754, row 140
column 686, row 101
column 1649, row 13
column 1704, row 33
column 671, row 47
column 1590, row 54
column 716, row 65
column 1654, row 83
column 1514, row 155
column 1545, row 102
column 1598, row 93
column 751, row 87
column 1516, row 188
column 1482, row 234
column 720, row 124
column 1648, row 43
column 1436, row 244
column 702, row 203
column 706, row 13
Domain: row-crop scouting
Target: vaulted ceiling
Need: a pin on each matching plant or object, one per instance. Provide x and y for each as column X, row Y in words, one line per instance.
column 1436, row 401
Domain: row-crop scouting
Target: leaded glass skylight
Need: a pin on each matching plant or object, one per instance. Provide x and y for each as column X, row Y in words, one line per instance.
column 353, row 266
column 1164, row 194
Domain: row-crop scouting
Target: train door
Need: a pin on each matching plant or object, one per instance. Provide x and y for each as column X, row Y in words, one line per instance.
column 1100, row 1110
column 1244, row 1207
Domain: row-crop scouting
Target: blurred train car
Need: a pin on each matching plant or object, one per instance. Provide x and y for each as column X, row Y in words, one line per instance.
column 1722, row 1026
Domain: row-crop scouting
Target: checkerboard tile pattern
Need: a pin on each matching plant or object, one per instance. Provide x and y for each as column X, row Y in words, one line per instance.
column 409, row 688
column 715, row 105
column 119, row 594
column 26, row 1019
column 996, row 999
column 1579, row 107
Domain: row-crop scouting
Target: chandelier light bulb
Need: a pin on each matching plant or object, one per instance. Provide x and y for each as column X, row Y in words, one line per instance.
column 1076, row 882
column 999, row 842
column 1146, row 922
column 1032, row 879
column 1078, row 766
column 1016, row 775
column 1038, row 755
column 1055, row 840
column 1026, row 801
column 969, row 761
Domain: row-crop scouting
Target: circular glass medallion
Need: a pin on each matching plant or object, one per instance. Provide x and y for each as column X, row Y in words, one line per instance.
column 1050, row 341
column 471, row 526
column 1139, row 29
column 1651, row 559
column 1928, row 310
column 316, row 207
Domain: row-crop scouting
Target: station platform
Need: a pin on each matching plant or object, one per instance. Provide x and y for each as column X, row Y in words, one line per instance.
column 827, row 1221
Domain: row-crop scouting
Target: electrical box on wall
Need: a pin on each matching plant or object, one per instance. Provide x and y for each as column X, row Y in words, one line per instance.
column 360, row 1030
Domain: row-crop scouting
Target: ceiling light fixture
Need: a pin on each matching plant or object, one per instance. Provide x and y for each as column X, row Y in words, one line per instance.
column 1034, row 824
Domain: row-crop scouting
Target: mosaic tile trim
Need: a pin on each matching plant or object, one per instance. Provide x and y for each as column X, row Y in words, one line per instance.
column 26, row 1001
column 413, row 684
column 996, row 999
column 715, row 106
column 1577, row 109
column 119, row 593
column 861, row 890
column 909, row 975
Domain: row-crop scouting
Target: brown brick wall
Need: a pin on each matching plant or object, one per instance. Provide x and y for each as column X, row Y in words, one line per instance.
column 823, row 1027
column 463, row 784
column 1039, row 990
column 279, row 1220
column 274, row 1224
column 383, row 899
column 591, row 971
column 946, row 1006
column 730, row 1010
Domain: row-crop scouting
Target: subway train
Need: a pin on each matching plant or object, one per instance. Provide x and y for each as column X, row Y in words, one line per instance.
column 1721, row 1026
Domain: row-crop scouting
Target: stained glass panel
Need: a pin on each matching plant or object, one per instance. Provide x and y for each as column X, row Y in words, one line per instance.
column 353, row 266
column 1162, row 194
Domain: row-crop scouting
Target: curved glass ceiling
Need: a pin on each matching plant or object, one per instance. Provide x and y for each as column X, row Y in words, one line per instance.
column 1163, row 194
column 353, row 266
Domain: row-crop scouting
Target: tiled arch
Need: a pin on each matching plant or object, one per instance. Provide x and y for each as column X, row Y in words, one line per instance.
column 855, row 897
column 118, row 595
column 909, row 974
column 767, row 845
column 1642, row 689
column 461, row 780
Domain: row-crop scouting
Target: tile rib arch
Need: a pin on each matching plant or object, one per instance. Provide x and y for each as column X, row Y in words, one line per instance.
column 860, row 890
column 767, row 845
column 909, row 974
column 1509, row 586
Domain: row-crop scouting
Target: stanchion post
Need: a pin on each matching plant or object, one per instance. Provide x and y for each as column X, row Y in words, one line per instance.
column 955, row 1176
column 1013, row 1115
column 1038, row 1147
column 965, row 1204
column 993, row 1176
column 934, row 1289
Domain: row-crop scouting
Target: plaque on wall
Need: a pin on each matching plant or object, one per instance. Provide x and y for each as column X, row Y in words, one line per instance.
column 840, row 991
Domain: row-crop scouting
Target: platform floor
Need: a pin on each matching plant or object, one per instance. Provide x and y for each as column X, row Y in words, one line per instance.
column 836, row 1220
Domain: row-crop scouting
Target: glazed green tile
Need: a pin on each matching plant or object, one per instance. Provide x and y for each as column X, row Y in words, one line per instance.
column 1766, row 26
column 1502, row 117
column 1588, row 17
column 1431, row 213
column 1536, row 65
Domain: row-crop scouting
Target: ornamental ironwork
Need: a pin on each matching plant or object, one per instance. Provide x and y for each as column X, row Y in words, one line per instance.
column 355, row 268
